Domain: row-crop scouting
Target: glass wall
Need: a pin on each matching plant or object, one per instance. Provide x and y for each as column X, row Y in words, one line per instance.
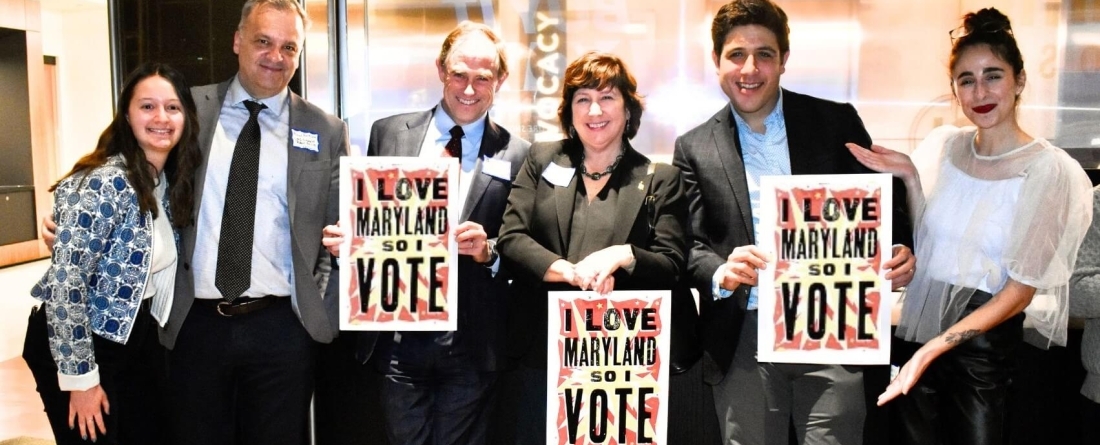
column 888, row 58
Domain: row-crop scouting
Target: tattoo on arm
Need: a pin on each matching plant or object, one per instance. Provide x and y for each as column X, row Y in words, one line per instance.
column 955, row 338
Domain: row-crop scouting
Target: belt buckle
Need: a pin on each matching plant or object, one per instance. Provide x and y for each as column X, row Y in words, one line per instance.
column 225, row 305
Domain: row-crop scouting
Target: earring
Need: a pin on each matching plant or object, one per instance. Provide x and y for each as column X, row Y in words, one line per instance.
column 572, row 132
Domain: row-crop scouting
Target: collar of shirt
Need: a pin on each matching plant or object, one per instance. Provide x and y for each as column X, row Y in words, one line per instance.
column 772, row 122
column 237, row 95
column 763, row 154
column 471, row 136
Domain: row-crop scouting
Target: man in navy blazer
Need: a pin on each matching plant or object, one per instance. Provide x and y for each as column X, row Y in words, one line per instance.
column 437, row 387
column 766, row 130
column 241, row 372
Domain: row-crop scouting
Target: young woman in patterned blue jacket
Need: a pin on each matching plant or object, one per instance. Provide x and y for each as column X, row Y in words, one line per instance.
column 113, row 269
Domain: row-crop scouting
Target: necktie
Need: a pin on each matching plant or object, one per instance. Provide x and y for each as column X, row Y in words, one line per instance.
column 454, row 146
column 234, row 272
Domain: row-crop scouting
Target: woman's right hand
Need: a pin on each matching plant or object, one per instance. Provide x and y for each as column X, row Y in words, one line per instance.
column 85, row 411
column 885, row 160
column 908, row 375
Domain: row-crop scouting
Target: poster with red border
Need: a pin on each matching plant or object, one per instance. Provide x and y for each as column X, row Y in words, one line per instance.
column 607, row 367
column 825, row 299
column 398, row 264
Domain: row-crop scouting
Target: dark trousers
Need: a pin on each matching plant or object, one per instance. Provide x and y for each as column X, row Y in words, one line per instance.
column 132, row 375
column 1090, row 421
column 432, row 393
column 691, row 415
column 347, row 403
column 246, row 379
column 960, row 399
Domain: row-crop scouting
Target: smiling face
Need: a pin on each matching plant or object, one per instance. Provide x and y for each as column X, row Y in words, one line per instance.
column 986, row 87
column 749, row 67
column 470, row 78
column 268, row 47
column 599, row 116
column 156, row 116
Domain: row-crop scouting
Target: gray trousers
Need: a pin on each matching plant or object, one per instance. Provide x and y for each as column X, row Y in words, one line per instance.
column 739, row 398
column 756, row 402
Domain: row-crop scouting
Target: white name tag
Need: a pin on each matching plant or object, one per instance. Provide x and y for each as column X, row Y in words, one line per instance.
column 558, row 175
column 497, row 168
column 305, row 140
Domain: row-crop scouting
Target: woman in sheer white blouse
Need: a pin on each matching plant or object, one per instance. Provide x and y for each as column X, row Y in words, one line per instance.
column 999, row 218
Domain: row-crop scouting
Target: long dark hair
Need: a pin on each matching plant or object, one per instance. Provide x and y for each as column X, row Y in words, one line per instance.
column 118, row 139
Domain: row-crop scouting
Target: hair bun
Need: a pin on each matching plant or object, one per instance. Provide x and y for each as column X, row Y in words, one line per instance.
column 987, row 20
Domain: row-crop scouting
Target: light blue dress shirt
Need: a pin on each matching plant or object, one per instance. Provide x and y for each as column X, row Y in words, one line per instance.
column 272, row 270
column 435, row 145
column 763, row 154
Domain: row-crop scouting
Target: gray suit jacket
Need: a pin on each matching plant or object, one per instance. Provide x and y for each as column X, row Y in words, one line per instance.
column 481, row 296
column 312, row 181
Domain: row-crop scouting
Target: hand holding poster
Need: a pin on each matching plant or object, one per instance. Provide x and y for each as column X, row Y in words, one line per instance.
column 607, row 367
column 825, row 299
column 398, row 265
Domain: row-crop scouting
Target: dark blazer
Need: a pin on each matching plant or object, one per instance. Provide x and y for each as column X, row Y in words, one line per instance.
column 536, row 233
column 721, row 216
column 481, row 296
column 312, row 200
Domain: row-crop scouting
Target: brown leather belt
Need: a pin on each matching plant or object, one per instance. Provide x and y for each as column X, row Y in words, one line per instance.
column 240, row 306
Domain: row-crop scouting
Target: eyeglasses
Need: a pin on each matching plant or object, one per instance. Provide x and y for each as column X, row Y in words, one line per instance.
column 988, row 28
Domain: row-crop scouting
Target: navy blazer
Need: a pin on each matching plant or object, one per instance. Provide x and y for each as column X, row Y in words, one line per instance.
column 720, row 213
column 481, row 295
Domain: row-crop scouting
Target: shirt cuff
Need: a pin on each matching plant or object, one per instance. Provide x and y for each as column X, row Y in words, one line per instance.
column 716, row 288
column 80, row 382
column 495, row 267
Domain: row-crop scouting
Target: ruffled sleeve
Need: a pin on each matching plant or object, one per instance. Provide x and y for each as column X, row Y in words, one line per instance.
column 1052, row 217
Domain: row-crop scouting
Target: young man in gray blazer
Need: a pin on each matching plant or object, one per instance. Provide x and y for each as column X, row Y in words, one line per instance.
column 252, row 293
column 765, row 130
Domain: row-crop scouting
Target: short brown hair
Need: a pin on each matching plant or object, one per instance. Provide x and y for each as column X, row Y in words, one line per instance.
column 463, row 30
column 599, row 70
column 750, row 12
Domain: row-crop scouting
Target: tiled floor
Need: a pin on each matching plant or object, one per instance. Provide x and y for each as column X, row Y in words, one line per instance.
column 20, row 408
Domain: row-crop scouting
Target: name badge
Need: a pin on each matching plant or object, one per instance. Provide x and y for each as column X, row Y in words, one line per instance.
column 304, row 140
column 497, row 168
column 558, row 175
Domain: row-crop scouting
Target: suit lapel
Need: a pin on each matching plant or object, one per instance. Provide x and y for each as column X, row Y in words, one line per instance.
column 491, row 145
column 800, row 142
column 632, row 191
column 565, row 198
column 296, row 158
column 208, row 105
column 410, row 140
column 728, row 147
